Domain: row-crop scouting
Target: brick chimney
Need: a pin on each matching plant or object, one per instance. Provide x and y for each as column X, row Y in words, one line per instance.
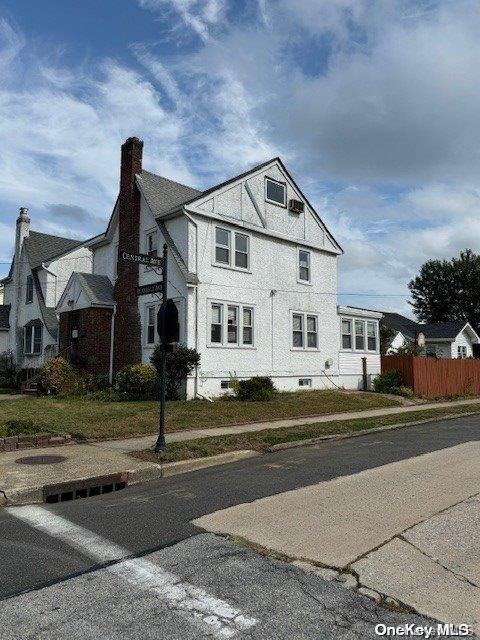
column 127, row 348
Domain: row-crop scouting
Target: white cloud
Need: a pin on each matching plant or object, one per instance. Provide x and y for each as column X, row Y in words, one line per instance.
column 198, row 15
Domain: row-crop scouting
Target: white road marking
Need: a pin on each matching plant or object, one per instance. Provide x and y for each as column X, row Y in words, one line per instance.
column 223, row 620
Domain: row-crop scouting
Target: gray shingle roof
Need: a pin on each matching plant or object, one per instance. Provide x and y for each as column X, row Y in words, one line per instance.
column 397, row 322
column 431, row 331
column 163, row 194
column 448, row 330
column 42, row 247
column 98, row 288
column 5, row 316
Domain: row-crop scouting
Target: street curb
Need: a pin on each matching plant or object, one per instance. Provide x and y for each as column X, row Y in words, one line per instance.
column 157, row 471
column 184, row 466
column 35, row 495
column 363, row 432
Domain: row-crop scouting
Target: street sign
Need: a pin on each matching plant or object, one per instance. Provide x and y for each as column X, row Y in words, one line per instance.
column 167, row 323
column 140, row 258
column 155, row 287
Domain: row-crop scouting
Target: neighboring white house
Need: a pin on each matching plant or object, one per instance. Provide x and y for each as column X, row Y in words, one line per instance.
column 442, row 339
column 252, row 270
column 39, row 271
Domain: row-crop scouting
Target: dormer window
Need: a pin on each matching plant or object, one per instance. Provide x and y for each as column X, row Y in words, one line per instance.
column 275, row 192
column 29, row 290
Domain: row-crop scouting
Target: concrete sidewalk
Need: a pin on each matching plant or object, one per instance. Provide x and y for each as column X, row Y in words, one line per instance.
column 137, row 444
column 407, row 530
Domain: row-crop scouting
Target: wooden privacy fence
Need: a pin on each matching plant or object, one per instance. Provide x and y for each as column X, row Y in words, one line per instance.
column 433, row 377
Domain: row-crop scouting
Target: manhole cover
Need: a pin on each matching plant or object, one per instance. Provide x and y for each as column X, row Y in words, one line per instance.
column 40, row 460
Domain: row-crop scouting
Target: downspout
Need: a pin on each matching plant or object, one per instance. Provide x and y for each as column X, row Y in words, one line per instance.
column 112, row 334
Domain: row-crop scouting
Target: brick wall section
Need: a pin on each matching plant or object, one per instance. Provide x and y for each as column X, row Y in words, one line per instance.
column 93, row 345
column 15, row 443
column 127, row 339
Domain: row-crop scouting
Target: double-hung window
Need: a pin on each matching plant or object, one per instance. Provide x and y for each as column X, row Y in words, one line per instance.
column 304, row 331
column 241, row 251
column 151, row 243
column 346, row 334
column 232, row 249
column 371, row 336
column 29, row 290
column 151, row 321
column 32, row 339
column 275, row 192
column 359, row 335
column 231, row 325
column 222, row 246
column 303, row 265
column 462, row 351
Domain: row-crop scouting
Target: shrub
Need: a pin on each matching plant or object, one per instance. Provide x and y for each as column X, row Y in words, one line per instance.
column 95, row 382
column 26, row 427
column 257, row 389
column 107, row 395
column 388, row 382
column 138, row 382
column 181, row 361
column 57, row 377
column 406, row 392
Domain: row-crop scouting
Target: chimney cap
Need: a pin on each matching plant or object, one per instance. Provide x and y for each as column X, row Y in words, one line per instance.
column 23, row 216
column 133, row 140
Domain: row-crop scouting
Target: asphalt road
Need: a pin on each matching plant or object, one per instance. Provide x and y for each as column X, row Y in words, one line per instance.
column 157, row 514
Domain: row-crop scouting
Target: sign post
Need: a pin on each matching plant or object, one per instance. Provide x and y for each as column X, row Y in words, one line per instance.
column 160, row 444
column 167, row 323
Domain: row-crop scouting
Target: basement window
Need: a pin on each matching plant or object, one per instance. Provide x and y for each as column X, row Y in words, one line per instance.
column 304, row 382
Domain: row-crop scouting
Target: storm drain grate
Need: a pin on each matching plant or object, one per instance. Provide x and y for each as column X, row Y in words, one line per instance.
column 84, row 488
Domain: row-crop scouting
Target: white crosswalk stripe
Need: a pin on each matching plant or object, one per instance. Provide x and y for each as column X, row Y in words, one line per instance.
column 222, row 619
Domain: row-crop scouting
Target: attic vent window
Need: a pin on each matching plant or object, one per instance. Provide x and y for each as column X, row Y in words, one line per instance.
column 276, row 192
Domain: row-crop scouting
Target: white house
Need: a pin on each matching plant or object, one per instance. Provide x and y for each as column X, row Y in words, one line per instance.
column 442, row 339
column 40, row 269
column 252, row 270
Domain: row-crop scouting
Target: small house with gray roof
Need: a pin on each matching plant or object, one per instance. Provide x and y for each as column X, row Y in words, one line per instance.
column 41, row 266
column 442, row 339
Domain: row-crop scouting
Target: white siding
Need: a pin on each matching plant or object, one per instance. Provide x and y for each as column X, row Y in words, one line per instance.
column 463, row 339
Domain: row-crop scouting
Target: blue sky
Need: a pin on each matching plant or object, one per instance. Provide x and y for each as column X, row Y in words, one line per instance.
column 372, row 104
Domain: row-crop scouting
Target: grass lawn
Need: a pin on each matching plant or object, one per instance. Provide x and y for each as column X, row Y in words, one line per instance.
column 263, row 440
column 84, row 418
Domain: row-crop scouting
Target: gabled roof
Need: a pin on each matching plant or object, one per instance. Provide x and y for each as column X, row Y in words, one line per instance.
column 166, row 196
column 98, row 288
column 431, row 330
column 4, row 316
column 42, row 247
column 409, row 328
column 448, row 330
column 163, row 194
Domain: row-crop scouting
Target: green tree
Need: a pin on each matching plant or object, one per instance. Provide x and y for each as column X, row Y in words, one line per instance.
column 448, row 290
